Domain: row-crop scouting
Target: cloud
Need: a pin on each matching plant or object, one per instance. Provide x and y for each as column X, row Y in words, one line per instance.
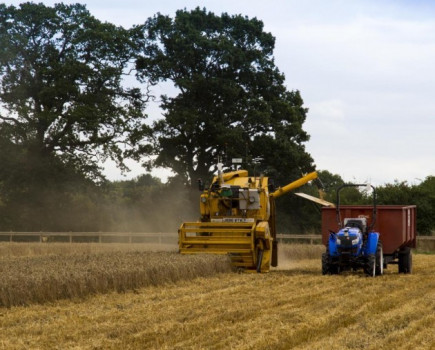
column 327, row 117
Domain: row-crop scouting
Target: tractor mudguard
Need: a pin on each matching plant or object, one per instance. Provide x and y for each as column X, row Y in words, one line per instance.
column 332, row 245
column 372, row 243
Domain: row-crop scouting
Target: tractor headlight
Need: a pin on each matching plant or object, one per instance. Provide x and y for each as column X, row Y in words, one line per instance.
column 355, row 241
column 338, row 241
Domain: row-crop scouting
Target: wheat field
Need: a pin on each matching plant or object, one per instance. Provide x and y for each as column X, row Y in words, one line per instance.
column 292, row 307
column 39, row 273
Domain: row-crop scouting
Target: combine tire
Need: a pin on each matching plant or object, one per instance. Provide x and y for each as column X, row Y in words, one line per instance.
column 370, row 267
column 379, row 260
column 405, row 260
column 259, row 259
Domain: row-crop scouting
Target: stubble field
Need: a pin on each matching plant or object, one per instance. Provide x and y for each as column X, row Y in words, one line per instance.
column 292, row 307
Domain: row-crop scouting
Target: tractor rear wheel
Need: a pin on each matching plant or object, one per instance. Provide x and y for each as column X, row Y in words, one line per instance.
column 325, row 263
column 405, row 260
column 379, row 260
column 370, row 266
column 334, row 269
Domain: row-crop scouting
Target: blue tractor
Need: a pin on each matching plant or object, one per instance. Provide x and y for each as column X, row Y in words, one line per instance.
column 355, row 245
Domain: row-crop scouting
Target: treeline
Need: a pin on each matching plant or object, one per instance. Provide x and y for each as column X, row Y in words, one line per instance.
column 74, row 203
column 145, row 204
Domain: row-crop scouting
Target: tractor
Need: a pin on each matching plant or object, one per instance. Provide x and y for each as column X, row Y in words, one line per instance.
column 355, row 245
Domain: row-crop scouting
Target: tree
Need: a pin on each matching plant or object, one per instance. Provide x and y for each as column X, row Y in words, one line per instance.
column 422, row 195
column 61, row 90
column 146, row 204
column 231, row 101
column 425, row 201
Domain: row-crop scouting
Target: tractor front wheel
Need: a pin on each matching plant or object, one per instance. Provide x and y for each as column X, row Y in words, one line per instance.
column 370, row 266
column 379, row 260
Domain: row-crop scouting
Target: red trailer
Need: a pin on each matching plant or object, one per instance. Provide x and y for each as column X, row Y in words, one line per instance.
column 396, row 225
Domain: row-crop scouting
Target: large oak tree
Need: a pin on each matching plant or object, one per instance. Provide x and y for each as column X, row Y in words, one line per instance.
column 64, row 107
column 61, row 85
column 231, row 98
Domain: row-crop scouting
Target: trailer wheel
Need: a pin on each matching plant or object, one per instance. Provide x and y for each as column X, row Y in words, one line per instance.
column 370, row 266
column 405, row 260
column 379, row 260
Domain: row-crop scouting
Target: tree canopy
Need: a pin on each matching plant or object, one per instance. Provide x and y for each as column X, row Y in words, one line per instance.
column 231, row 97
column 61, row 84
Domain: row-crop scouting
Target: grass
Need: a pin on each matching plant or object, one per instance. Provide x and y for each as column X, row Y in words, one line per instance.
column 292, row 307
column 299, row 252
column 427, row 247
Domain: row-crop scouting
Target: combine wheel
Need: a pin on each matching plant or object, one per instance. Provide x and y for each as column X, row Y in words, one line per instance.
column 379, row 260
column 370, row 267
column 259, row 259
column 405, row 260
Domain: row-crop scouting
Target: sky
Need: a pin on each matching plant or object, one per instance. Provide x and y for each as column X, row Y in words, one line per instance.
column 365, row 69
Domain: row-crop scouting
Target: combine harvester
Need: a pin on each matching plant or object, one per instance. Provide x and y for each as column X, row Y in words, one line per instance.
column 238, row 218
column 351, row 243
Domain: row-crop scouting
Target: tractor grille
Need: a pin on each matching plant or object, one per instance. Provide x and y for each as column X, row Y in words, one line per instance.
column 346, row 241
column 347, row 250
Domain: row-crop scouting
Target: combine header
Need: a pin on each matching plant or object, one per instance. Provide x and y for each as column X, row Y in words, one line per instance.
column 238, row 218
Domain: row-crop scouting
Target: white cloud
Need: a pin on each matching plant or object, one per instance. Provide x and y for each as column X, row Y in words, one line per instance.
column 326, row 118
column 331, row 110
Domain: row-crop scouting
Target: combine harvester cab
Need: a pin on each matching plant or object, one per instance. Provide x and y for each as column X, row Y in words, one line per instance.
column 237, row 218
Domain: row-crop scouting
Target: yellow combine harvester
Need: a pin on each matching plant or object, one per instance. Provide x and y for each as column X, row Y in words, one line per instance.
column 238, row 218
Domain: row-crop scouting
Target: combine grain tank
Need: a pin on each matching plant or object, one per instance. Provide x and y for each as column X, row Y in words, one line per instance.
column 238, row 218
column 396, row 225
